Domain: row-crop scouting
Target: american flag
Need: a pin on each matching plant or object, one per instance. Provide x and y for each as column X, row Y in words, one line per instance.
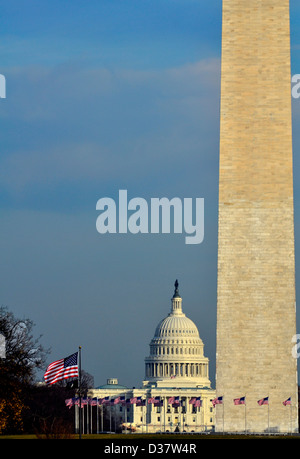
column 217, row 401
column 93, row 401
column 70, row 402
column 263, row 401
column 62, row 369
column 140, row 402
column 158, row 402
column 198, row 402
column 122, row 398
column 105, row 401
column 176, row 401
column 73, row 401
column 239, row 401
column 287, row 402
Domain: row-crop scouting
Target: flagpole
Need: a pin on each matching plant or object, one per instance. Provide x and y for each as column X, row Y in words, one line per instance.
column 165, row 400
column 125, row 413
column 223, row 416
column 79, row 388
column 268, row 415
column 91, row 419
column 97, row 415
column 245, row 416
column 291, row 417
column 76, row 418
column 87, row 417
column 109, row 417
column 161, row 412
column 146, row 412
column 83, row 422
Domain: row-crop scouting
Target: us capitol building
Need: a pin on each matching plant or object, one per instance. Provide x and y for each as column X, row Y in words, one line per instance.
column 176, row 394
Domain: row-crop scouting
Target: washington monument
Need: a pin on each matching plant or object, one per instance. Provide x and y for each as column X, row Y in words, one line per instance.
column 256, row 316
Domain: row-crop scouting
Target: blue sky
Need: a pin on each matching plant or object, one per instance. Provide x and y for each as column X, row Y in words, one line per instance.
column 101, row 96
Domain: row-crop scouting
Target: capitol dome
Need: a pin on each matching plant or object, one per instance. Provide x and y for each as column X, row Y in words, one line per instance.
column 174, row 325
column 176, row 351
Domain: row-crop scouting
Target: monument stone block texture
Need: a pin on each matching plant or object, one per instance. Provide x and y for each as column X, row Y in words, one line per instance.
column 256, row 317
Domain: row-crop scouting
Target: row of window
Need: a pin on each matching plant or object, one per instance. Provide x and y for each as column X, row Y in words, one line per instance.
column 175, row 331
column 166, row 350
column 176, row 420
column 158, row 409
column 194, row 341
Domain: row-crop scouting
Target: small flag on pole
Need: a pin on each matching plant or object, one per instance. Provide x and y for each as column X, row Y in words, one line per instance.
column 62, row 369
column 140, row 402
column 239, row 401
column 176, row 401
column 198, row 402
column 263, row 401
column 287, row 402
column 70, row 402
column 217, row 401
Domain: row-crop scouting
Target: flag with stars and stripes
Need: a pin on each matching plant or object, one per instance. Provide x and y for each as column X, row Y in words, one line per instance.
column 62, row 369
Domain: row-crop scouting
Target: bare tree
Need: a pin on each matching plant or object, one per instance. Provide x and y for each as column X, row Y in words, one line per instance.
column 23, row 353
